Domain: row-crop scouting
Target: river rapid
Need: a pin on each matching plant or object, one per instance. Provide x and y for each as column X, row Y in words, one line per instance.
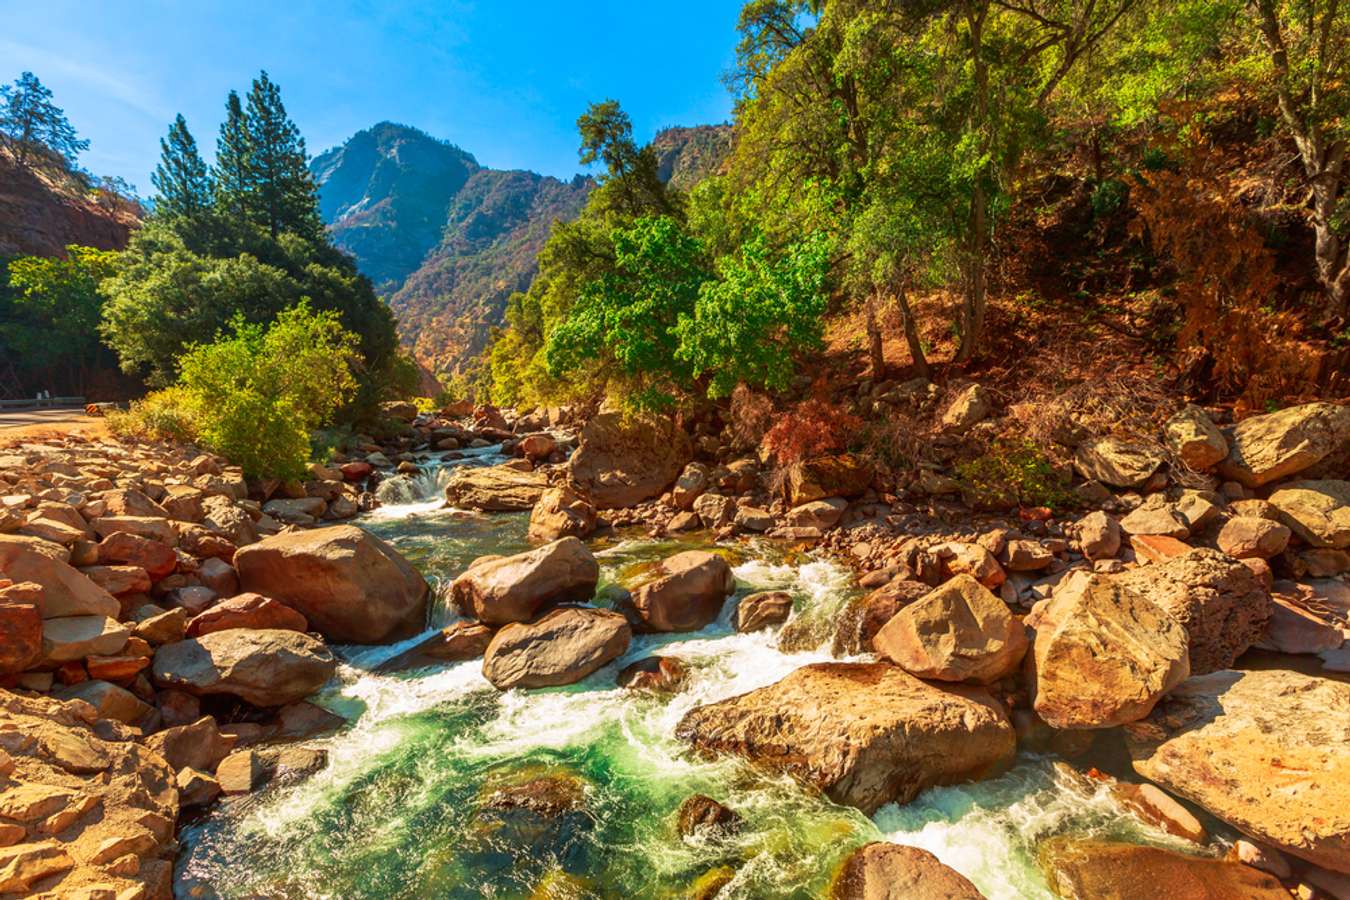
column 400, row 809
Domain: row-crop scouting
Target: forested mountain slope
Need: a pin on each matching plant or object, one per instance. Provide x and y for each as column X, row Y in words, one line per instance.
column 447, row 241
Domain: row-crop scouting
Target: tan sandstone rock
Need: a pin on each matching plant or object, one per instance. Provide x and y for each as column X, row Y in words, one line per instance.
column 621, row 462
column 514, row 588
column 1276, row 445
column 881, row 871
column 562, row 647
column 865, row 734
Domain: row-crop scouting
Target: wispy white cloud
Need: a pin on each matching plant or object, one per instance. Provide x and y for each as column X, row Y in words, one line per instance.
column 98, row 79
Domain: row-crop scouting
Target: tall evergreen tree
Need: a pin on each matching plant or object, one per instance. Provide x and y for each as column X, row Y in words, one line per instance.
column 181, row 179
column 231, row 172
column 30, row 123
column 282, row 196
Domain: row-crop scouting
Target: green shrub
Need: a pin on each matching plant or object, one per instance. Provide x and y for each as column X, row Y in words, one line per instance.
column 165, row 415
column 1014, row 473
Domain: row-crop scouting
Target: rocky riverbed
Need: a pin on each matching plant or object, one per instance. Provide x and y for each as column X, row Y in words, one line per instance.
column 519, row 656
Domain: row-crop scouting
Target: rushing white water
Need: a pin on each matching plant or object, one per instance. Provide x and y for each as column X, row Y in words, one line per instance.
column 416, row 494
column 397, row 812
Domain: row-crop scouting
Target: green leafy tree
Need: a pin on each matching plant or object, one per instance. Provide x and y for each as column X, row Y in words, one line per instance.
column 632, row 184
column 624, row 322
column 761, row 311
column 257, row 394
column 32, row 125
column 49, row 320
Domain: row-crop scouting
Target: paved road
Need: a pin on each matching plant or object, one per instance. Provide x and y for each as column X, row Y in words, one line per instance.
column 19, row 418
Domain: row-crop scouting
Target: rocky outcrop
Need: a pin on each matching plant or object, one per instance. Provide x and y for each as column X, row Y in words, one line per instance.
column 1266, row 751
column 561, row 512
column 265, row 668
column 1317, row 511
column 1103, row 655
column 514, row 588
column 881, row 871
column 495, row 488
column 959, row 632
column 1266, row 448
column 1220, row 603
column 621, row 462
column 863, row 617
column 1079, row 869
column 87, row 810
column 350, row 585
column 865, row 734
column 687, row 593
column 562, row 647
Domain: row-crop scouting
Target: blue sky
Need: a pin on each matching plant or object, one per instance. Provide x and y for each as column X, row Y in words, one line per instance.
column 504, row 80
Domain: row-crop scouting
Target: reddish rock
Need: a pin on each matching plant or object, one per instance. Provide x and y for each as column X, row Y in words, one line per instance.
column 247, row 611
column 123, row 548
column 659, row 674
column 687, row 594
column 20, row 627
column 881, row 871
column 1154, row 548
column 116, row 668
column 119, row 580
column 355, row 471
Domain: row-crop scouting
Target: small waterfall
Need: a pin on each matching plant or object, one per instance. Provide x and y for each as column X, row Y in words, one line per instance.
column 424, row 487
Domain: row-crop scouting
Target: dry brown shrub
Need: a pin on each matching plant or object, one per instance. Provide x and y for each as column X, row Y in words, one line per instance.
column 1227, row 281
column 751, row 415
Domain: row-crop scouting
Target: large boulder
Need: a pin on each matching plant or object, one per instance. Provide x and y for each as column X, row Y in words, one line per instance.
column 687, row 594
column 1267, row 751
column 269, row 667
column 1116, row 462
column 865, row 734
column 881, row 871
column 1104, row 655
column 72, row 638
column 621, row 462
column 967, row 409
column 1220, row 602
column 454, row 643
column 350, row 585
column 959, row 632
column 1250, row 537
column 561, row 512
column 843, row 475
column 1276, row 445
column 1195, row 439
column 514, row 588
column 65, row 591
column 1317, row 511
column 861, row 619
column 89, row 811
column 1086, row 869
column 562, row 647
column 495, row 488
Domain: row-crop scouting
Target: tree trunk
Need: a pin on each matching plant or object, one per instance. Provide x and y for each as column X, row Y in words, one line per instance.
column 875, row 355
column 912, row 335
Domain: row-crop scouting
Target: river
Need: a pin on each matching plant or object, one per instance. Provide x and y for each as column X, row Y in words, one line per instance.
column 399, row 810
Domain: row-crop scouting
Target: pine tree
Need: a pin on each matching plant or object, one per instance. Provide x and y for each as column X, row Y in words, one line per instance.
column 31, row 123
column 282, row 196
column 181, row 179
column 232, row 170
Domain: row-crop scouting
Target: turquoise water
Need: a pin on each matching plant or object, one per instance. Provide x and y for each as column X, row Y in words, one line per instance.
column 416, row 799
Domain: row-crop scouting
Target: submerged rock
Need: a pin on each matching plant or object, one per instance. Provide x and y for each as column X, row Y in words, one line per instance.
column 865, row 734
column 702, row 815
column 509, row 589
column 454, row 643
column 563, row 647
column 763, row 609
column 1266, row 751
column 659, row 674
column 350, row 585
column 1090, row 869
column 881, row 871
